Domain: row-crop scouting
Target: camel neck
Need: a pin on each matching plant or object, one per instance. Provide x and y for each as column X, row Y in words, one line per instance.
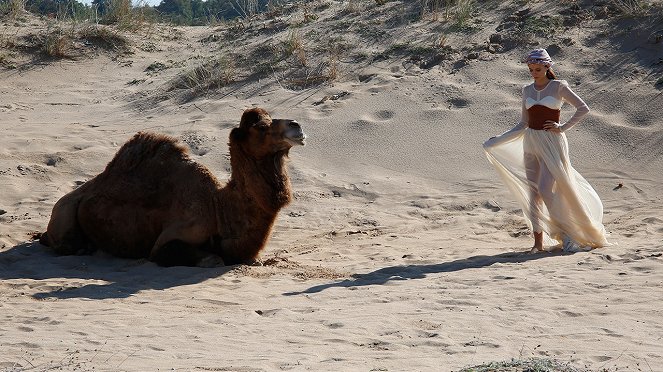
column 257, row 190
column 265, row 181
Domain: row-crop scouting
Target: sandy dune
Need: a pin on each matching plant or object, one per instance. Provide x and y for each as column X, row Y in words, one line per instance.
column 402, row 250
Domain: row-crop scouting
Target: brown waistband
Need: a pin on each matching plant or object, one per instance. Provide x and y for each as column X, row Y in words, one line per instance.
column 539, row 114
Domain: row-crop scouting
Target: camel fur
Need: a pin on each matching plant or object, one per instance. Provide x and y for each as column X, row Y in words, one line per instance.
column 153, row 201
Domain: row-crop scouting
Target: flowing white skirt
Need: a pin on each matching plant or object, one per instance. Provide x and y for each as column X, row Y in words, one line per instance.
column 555, row 198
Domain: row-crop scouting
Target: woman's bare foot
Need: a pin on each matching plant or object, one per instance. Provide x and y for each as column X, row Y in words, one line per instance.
column 538, row 242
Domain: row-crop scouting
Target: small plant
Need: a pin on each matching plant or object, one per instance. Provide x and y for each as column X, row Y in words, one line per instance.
column 352, row 6
column 54, row 43
column 631, row 8
column 12, row 8
column 541, row 26
column 208, row 76
column 524, row 365
column 294, row 45
column 463, row 12
column 441, row 42
column 6, row 62
column 245, row 8
column 17, row 7
column 333, row 68
column 104, row 37
column 155, row 68
column 125, row 17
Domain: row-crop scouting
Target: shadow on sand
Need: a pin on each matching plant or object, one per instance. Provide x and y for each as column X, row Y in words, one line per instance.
column 114, row 277
column 407, row 272
column 122, row 278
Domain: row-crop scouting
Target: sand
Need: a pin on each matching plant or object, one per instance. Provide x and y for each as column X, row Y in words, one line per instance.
column 401, row 251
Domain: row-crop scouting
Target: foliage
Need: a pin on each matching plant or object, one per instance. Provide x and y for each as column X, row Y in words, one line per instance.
column 12, row 8
column 57, row 8
column 181, row 12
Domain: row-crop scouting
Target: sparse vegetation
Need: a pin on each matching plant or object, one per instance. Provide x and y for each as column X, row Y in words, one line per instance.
column 632, row 8
column 459, row 12
column 543, row 26
column 294, row 46
column 55, row 43
column 12, row 8
column 524, row 365
column 6, row 61
column 104, row 37
column 214, row 74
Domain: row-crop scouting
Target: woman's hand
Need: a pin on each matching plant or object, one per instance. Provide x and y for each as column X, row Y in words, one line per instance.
column 552, row 126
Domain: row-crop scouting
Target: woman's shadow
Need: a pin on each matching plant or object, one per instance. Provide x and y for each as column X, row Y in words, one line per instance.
column 98, row 276
column 408, row 272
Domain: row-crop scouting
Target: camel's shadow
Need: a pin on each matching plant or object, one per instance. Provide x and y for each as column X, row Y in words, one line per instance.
column 407, row 272
column 113, row 277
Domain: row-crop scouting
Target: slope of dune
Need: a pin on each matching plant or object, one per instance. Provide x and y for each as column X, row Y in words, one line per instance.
column 402, row 249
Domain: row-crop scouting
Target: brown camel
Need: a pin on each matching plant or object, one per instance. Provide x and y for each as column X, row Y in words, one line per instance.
column 152, row 201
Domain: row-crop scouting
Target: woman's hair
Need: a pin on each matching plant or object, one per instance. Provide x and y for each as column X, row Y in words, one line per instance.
column 550, row 74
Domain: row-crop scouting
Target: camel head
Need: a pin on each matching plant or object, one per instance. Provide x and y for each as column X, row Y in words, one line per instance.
column 259, row 135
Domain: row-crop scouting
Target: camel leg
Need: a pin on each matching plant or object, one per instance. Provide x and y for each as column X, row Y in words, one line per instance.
column 181, row 244
column 64, row 234
column 178, row 253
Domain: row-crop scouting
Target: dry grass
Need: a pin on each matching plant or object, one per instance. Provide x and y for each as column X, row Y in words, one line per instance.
column 104, row 37
column 632, row 8
column 55, row 43
column 75, row 42
column 201, row 79
column 126, row 17
column 294, row 46
column 299, row 50
column 524, row 365
column 12, row 9
column 458, row 12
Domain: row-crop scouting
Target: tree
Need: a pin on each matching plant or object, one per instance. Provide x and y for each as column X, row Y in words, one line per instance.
column 178, row 11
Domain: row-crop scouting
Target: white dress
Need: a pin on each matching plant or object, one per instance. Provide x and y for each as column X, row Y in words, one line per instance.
column 534, row 164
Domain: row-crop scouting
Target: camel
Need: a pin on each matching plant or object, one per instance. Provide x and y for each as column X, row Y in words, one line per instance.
column 153, row 201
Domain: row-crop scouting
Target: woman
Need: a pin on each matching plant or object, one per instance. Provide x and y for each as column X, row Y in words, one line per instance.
column 533, row 160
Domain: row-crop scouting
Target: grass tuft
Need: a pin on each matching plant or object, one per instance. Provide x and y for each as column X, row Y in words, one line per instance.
column 524, row 365
column 105, row 38
column 631, row 8
column 12, row 9
column 204, row 78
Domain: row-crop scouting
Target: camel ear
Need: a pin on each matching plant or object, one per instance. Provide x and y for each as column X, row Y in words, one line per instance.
column 253, row 116
column 239, row 134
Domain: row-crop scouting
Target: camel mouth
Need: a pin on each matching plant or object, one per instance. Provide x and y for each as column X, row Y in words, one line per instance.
column 297, row 140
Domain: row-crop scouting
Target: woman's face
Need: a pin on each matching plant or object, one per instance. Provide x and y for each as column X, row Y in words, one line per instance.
column 537, row 71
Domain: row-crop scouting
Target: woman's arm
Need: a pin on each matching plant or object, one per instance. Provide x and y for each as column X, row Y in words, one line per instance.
column 581, row 107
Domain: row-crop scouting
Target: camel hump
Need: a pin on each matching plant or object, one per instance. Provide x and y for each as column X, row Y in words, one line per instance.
column 147, row 147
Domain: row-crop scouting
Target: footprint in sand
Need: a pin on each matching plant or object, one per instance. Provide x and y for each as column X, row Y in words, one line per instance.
column 364, row 125
column 7, row 107
column 384, row 115
column 371, row 122
column 458, row 103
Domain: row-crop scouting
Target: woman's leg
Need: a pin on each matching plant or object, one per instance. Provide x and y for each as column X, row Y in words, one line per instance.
column 533, row 172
